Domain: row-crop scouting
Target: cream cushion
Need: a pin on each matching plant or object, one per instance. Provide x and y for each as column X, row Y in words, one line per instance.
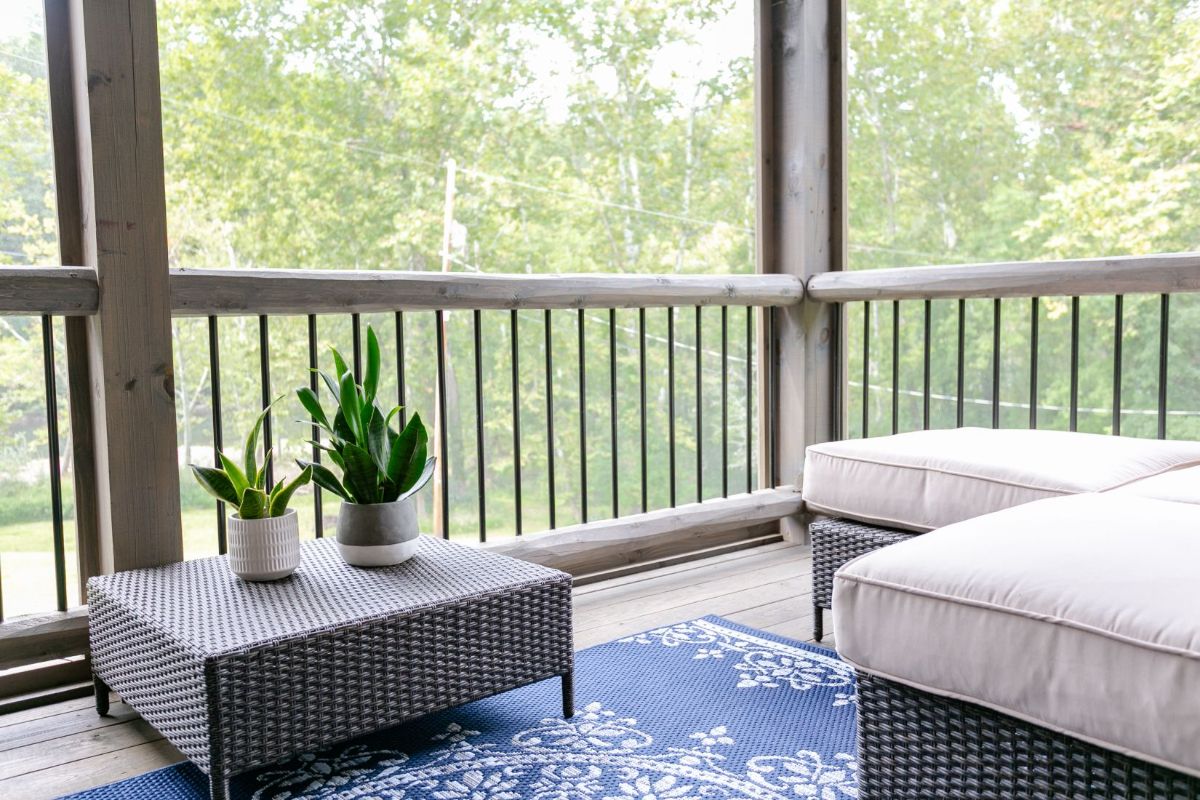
column 1080, row 614
column 926, row 479
column 1181, row 486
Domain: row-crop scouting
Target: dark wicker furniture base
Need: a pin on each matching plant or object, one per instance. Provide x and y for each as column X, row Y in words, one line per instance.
column 916, row 746
column 241, row 675
column 837, row 541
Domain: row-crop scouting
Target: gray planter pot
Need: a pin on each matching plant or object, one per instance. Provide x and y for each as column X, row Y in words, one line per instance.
column 377, row 534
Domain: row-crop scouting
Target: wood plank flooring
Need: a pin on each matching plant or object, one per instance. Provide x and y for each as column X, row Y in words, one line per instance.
column 54, row 750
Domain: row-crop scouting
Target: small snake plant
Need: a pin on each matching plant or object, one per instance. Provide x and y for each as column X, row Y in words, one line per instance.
column 245, row 487
column 378, row 464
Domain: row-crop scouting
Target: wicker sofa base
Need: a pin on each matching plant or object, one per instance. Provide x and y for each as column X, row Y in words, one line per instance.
column 914, row 745
column 837, row 541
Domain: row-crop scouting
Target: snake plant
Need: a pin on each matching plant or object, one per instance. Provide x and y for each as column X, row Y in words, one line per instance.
column 378, row 463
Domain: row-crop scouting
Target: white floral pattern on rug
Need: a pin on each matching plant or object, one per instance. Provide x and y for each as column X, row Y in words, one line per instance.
column 595, row 755
column 763, row 664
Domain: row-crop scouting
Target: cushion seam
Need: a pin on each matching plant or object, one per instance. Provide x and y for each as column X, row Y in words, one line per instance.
column 915, row 528
column 1066, row 623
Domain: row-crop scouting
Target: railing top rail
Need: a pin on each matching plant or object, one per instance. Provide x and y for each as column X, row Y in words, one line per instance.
column 206, row 292
column 67, row 291
column 1157, row 274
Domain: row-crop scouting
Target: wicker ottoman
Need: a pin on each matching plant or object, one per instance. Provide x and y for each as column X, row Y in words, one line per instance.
column 240, row 675
column 835, row 542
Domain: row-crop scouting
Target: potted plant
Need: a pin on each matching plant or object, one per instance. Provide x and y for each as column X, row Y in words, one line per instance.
column 381, row 468
column 264, row 534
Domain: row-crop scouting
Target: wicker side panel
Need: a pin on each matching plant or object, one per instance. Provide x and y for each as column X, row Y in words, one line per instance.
column 914, row 745
column 317, row 690
column 837, row 541
column 161, row 680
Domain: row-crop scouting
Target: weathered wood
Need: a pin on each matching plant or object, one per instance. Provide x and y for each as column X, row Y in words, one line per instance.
column 60, row 75
column 28, row 640
column 17, row 685
column 683, row 560
column 1159, row 274
column 222, row 291
column 801, row 218
column 597, row 546
column 63, row 291
column 123, row 218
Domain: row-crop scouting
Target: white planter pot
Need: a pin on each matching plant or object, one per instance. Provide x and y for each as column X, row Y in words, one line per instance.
column 377, row 534
column 264, row 549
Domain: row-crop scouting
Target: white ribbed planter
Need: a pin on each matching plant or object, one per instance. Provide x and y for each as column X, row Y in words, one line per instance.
column 264, row 549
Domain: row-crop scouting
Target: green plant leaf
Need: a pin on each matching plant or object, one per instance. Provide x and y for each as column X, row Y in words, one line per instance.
column 330, row 383
column 339, row 364
column 391, row 414
column 260, row 479
column 236, row 476
column 254, row 504
column 361, row 475
column 341, row 428
column 415, row 468
column 422, row 478
column 216, row 483
column 352, row 409
column 249, row 457
column 402, row 453
column 282, row 495
column 312, row 404
column 371, row 376
column 377, row 441
column 323, row 477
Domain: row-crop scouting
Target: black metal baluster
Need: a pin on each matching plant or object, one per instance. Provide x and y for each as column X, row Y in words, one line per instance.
column 479, row 427
column 550, row 415
column 214, row 371
column 962, row 360
column 996, row 320
column 583, row 454
column 401, row 383
column 264, row 365
column 56, row 511
column 699, row 408
column 773, row 417
column 1035, row 313
column 1164, row 326
column 443, row 423
column 1118, row 347
column 750, row 399
column 671, row 399
column 724, row 401
column 356, row 339
column 642, row 394
column 516, row 413
column 318, row 512
column 612, row 401
column 895, row 366
column 925, row 378
column 866, row 370
column 1074, row 412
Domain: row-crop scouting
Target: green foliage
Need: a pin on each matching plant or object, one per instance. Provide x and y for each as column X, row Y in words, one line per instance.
column 245, row 487
column 378, row 464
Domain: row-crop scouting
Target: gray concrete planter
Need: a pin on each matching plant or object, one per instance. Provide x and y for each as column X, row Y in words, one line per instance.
column 377, row 534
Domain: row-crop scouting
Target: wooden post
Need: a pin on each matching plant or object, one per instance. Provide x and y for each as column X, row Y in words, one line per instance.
column 800, row 124
column 123, row 235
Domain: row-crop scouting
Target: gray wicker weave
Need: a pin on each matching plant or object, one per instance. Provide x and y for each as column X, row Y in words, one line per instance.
column 835, row 542
column 240, row 675
column 914, row 746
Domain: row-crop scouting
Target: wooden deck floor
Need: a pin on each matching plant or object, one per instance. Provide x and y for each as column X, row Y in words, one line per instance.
column 53, row 750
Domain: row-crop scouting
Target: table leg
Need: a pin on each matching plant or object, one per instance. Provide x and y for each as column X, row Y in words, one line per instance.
column 218, row 785
column 568, row 692
column 818, row 623
column 101, row 695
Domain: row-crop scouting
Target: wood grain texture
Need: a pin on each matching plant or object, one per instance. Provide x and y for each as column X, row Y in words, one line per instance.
column 596, row 546
column 1159, row 274
column 62, row 291
column 123, row 217
column 282, row 291
column 51, row 751
column 34, row 638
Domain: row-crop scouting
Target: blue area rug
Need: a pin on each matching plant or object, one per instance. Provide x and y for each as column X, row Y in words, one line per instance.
column 703, row 709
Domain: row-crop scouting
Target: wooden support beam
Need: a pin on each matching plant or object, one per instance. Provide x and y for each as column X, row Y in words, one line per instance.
column 118, row 119
column 800, row 129
column 1158, row 274
column 286, row 291
column 609, row 544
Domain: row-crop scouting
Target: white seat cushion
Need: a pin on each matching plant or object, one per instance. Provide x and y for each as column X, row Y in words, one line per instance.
column 926, row 479
column 1080, row 614
column 1180, row 485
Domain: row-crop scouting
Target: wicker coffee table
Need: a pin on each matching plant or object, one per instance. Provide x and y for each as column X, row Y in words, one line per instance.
column 240, row 675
